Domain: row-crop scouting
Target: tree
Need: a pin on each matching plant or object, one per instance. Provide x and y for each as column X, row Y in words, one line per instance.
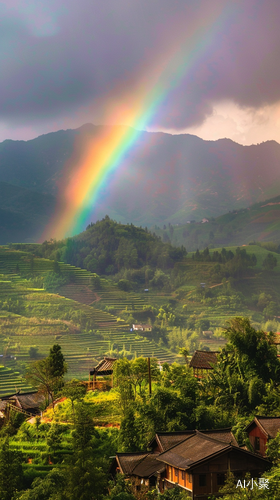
column 50, row 487
column 11, row 472
column 269, row 262
column 75, row 391
column 85, row 480
column 185, row 353
column 47, row 374
column 57, row 363
column 245, row 367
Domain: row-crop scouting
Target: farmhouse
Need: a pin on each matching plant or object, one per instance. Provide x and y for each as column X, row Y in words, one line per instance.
column 199, row 464
column 195, row 460
column 142, row 328
column 29, row 402
column 260, row 430
column 202, row 361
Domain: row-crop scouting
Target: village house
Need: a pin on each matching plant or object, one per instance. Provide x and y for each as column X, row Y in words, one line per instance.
column 202, row 362
column 143, row 469
column 30, row 403
column 195, row 460
column 142, row 328
column 199, row 464
column 260, row 430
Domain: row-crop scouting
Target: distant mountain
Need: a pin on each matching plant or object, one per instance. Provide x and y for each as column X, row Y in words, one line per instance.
column 162, row 179
column 23, row 213
column 259, row 222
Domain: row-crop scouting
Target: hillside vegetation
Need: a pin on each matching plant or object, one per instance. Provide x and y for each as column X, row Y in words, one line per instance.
column 259, row 222
column 189, row 300
column 163, row 179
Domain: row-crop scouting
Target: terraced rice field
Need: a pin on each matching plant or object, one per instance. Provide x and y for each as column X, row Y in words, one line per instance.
column 46, row 319
column 11, row 381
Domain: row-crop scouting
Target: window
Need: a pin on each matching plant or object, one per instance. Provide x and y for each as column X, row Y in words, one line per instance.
column 257, row 443
column 220, row 479
column 183, row 474
column 202, row 480
column 190, row 478
column 176, row 472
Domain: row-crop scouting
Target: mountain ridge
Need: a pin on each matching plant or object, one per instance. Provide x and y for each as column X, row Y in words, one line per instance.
column 163, row 178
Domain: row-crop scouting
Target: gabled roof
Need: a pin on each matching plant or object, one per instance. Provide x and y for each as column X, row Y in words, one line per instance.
column 268, row 425
column 192, row 450
column 204, row 359
column 128, row 461
column 148, row 467
column 198, row 448
column 166, row 440
column 223, row 435
column 104, row 367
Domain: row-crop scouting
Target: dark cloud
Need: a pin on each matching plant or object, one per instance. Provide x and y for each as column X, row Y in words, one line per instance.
column 103, row 48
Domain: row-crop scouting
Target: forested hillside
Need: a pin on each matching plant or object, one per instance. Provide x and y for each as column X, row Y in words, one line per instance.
column 163, row 179
column 257, row 223
column 106, row 247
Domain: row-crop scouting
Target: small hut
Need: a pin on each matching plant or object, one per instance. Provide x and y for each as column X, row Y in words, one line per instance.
column 202, row 361
column 104, row 367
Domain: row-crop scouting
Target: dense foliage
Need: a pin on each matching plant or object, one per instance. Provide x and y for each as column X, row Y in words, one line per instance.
column 244, row 382
column 106, row 247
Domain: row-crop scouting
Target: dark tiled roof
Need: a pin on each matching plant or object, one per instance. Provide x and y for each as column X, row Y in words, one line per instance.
column 148, row 466
column 128, row 461
column 104, row 367
column 168, row 439
column 224, row 435
column 192, row 450
column 270, row 425
column 30, row 400
column 203, row 359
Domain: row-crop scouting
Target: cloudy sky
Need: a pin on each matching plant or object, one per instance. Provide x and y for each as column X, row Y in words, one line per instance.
column 207, row 67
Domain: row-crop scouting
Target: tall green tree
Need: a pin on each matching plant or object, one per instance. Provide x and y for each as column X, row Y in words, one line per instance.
column 11, row 472
column 47, row 374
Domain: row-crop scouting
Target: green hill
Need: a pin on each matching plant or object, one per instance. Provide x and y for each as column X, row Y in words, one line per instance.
column 259, row 222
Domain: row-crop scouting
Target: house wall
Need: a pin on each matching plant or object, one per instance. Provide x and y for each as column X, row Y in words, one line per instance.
column 175, row 476
column 213, row 469
column 257, row 433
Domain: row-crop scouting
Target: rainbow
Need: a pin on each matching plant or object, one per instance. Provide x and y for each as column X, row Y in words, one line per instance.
column 105, row 152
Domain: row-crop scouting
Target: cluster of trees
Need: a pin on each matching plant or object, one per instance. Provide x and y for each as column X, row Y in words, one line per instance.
column 233, row 264
column 106, row 247
column 244, row 382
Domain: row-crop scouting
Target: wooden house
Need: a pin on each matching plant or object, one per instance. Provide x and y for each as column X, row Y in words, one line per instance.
column 260, row 430
column 195, row 460
column 29, row 402
column 165, row 440
column 104, row 367
column 143, row 469
column 202, row 361
column 199, row 464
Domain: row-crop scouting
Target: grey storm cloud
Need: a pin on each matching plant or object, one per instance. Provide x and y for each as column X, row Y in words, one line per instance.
column 97, row 48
